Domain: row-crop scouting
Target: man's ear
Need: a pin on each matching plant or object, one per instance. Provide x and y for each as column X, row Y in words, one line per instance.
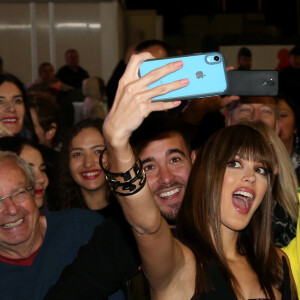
column 51, row 132
column 227, row 118
column 193, row 155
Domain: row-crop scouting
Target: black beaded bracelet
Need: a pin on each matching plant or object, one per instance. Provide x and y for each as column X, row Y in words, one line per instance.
column 125, row 183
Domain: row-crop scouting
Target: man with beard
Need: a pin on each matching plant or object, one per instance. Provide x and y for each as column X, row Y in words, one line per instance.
column 110, row 261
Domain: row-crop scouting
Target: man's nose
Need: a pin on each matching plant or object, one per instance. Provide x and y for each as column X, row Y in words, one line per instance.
column 9, row 207
column 165, row 175
column 256, row 115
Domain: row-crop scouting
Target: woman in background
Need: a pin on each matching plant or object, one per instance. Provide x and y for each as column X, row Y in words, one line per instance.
column 289, row 116
column 95, row 101
column 15, row 118
column 81, row 181
column 30, row 152
column 286, row 203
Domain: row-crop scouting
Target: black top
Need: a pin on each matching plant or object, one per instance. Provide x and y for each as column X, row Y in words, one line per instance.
column 102, row 266
column 284, row 228
column 71, row 77
column 224, row 291
column 289, row 79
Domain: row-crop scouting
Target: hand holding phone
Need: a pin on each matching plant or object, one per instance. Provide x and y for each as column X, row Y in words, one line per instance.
column 206, row 73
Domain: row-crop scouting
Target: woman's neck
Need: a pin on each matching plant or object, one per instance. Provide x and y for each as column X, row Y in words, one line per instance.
column 96, row 199
column 289, row 145
column 229, row 240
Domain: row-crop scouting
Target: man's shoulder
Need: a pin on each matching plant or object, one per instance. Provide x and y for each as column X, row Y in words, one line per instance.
column 82, row 70
column 116, row 232
column 62, row 69
column 289, row 70
column 74, row 216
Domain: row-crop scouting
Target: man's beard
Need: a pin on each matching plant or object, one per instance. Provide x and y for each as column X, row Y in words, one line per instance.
column 172, row 214
column 173, row 209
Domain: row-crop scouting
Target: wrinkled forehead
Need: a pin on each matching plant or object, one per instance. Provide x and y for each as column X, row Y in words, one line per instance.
column 258, row 100
column 11, row 175
column 254, row 102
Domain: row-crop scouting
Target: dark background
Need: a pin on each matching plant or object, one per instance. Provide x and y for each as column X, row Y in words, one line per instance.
column 283, row 14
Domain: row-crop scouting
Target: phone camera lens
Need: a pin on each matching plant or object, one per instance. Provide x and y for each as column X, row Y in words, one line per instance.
column 216, row 58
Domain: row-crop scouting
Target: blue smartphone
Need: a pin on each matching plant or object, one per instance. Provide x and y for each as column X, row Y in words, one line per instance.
column 206, row 72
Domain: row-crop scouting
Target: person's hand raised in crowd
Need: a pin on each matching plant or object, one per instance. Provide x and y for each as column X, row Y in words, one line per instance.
column 133, row 99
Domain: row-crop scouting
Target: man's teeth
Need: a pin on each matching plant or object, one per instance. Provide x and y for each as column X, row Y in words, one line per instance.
column 11, row 225
column 245, row 194
column 91, row 173
column 169, row 193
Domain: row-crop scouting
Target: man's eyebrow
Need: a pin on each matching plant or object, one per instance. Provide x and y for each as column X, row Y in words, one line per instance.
column 17, row 188
column 170, row 151
column 75, row 149
column 148, row 159
column 176, row 150
column 97, row 146
column 268, row 104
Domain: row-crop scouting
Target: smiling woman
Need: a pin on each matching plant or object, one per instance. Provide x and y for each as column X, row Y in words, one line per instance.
column 14, row 112
column 81, row 182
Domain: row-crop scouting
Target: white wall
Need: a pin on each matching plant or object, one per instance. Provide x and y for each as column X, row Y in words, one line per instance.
column 264, row 57
column 142, row 25
column 35, row 32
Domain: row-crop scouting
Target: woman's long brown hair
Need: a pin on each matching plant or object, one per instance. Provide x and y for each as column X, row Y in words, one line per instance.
column 199, row 218
column 68, row 191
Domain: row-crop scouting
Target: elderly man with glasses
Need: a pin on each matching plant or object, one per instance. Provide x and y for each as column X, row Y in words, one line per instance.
column 35, row 246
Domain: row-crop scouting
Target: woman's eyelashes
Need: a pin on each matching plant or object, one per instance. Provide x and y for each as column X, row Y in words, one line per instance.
column 238, row 164
column 261, row 170
column 234, row 164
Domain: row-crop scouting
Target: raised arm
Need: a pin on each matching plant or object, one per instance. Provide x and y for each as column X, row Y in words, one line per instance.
column 161, row 254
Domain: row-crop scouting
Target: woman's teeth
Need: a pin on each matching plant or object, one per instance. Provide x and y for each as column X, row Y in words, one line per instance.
column 90, row 173
column 245, row 194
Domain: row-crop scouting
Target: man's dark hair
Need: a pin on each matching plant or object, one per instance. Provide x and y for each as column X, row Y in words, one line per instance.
column 155, row 126
column 244, row 51
column 48, row 112
column 70, row 50
column 42, row 65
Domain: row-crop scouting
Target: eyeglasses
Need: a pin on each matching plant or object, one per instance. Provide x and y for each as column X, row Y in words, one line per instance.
column 17, row 197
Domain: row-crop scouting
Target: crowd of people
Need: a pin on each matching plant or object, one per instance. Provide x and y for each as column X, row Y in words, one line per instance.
column 194, row 199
